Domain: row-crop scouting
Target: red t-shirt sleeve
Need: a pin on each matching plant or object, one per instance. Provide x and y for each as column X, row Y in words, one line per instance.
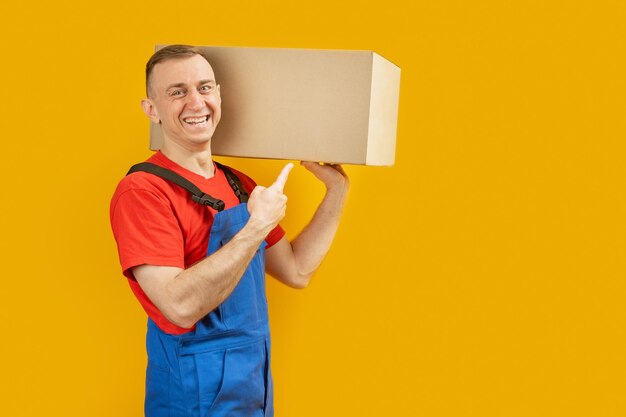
column 274, row 236
column 146, row 230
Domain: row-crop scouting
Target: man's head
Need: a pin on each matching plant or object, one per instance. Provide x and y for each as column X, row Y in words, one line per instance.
column 183, row 95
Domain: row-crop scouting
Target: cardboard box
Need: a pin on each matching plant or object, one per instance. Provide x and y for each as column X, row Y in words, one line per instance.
column 301, row 104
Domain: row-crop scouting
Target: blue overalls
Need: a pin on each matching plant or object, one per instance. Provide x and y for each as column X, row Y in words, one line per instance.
column 222, row 368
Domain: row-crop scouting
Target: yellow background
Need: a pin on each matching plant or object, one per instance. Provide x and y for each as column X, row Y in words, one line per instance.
column 482, row 275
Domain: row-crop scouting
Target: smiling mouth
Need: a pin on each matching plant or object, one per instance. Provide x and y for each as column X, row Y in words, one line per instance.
column 193, row 121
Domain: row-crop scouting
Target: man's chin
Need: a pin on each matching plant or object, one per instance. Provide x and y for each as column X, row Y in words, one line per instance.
column 186, row 141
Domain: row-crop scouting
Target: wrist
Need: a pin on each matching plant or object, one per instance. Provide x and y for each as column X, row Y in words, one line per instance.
column 256, row 229
column 339, row 188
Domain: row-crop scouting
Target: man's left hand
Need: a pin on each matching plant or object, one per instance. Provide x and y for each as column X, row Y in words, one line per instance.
column 332, row 175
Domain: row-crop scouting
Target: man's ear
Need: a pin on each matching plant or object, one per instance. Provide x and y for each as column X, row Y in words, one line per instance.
column 150, row 110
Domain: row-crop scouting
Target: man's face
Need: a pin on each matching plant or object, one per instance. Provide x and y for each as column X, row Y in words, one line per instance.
column 185, row 99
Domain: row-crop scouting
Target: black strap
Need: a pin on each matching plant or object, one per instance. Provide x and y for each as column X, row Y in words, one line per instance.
column 235, row 183
column 196, row 193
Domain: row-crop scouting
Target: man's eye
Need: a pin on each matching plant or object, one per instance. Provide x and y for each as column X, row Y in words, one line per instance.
column 206, row 88
column 177, row 93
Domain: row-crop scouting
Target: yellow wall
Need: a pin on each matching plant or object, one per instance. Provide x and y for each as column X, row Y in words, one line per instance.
column 483, row 275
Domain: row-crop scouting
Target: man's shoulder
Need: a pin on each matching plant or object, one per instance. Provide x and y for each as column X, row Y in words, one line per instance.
column 139, row 183
column 137, row 189
column 141, row 180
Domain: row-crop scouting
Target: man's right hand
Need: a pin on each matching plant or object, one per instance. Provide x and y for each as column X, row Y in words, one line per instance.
column 267, row 205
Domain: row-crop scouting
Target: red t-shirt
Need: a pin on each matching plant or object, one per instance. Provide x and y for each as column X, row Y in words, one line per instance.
column 155, row 222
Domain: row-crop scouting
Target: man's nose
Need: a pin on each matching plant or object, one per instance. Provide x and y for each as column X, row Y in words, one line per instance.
column 195, row 99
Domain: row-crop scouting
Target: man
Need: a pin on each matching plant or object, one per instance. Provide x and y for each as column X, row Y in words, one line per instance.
column 199, row 270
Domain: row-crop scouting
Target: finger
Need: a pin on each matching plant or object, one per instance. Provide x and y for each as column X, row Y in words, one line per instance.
column 340, row 169
column 311, row 166
column 318, row 168
column 281, row 180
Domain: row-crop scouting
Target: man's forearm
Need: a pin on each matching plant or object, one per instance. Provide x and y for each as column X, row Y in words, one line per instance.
column 313, row 243
column 199, row 289
column 294, row 263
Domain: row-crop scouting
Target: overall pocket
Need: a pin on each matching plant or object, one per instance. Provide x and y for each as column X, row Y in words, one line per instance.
column 202, row 377
column 243, row 389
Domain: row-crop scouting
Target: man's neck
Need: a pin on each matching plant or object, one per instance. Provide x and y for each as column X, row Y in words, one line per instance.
column 198, row 161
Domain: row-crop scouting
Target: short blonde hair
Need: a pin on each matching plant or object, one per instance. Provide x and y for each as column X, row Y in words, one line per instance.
column 168, row 53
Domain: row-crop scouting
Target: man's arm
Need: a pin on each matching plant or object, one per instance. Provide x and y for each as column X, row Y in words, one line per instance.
column 294, row 263
column 184, row 296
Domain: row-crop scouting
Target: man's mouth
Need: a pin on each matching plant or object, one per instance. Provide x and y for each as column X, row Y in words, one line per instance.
column 196, row 120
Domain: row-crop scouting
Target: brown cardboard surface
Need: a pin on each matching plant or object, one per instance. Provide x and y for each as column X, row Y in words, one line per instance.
column 302, row 104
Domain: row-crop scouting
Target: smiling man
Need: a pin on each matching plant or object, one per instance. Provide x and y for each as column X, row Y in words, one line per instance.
column 195, row 239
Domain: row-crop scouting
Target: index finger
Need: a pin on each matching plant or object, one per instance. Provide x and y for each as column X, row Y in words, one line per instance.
column 281, row 180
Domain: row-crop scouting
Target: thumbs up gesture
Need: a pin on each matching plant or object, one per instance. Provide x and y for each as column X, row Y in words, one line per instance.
column 267, row 205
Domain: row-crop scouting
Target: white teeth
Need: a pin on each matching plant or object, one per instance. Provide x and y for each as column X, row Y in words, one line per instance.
column 195, row 120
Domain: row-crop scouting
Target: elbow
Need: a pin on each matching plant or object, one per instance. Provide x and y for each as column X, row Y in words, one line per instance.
column 292, row 278
column 299, row 285
column 179, row 308
column 184, row 322
column 181, row 316
column 300, row 282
